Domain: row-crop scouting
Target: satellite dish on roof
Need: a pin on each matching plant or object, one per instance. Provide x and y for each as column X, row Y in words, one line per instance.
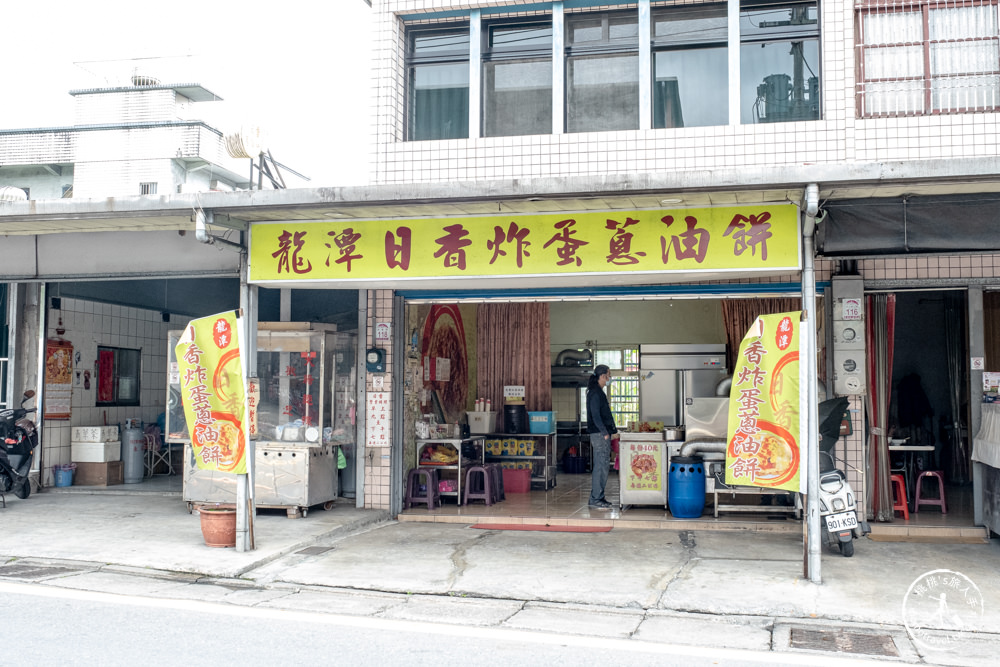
column 10, row 193
column 248, row 142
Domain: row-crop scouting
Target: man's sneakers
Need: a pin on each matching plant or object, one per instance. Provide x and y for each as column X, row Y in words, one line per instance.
column 600, row 505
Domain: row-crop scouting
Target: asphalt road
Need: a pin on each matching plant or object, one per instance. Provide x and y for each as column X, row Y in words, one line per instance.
column 46, row 626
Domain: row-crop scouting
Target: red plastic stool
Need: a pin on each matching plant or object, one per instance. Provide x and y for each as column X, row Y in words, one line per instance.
column 899, row 495
column 920, row 500
column 430, row 494
column 478, row 485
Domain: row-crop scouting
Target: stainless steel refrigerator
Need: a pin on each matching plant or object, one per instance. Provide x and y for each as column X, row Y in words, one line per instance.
column 671, row 374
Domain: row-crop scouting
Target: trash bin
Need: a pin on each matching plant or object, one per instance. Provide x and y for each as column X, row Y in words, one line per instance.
column 686, row 488
column 63, row 473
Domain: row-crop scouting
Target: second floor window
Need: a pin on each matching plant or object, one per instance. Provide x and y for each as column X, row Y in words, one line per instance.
column 928, row 57
column 779, row 62
column 438, row 71
column 517, row 79
column 690, row 66
column 602, row 72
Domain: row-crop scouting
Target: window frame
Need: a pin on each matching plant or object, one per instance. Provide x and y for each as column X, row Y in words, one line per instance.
column 623, row 363
column 673, row 44
column 791, row 33
column 606, row 47
column 116, row 377
column 513, row 54
column 866, row 7
column 445, row 57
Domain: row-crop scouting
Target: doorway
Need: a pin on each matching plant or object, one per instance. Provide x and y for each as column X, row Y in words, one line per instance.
column 929, row 407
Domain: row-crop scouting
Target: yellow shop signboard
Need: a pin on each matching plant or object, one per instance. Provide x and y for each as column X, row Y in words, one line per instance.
column 741, row 239
column 763, row 448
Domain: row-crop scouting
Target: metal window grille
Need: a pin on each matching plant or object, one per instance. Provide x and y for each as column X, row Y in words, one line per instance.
column 927, row 57
column 623, row 389
column 147, row 188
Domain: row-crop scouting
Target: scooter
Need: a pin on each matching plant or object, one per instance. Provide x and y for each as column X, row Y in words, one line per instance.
column 18, row 439
column 836, row 497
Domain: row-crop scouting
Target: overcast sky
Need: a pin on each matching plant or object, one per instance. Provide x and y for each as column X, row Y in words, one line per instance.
column 298, row 68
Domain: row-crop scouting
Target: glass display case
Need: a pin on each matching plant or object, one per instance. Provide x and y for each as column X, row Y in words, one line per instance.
column 306, row 411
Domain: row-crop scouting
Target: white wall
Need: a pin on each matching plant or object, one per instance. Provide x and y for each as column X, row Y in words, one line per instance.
column 612, row 323
column 89, row 324
column 42, row 183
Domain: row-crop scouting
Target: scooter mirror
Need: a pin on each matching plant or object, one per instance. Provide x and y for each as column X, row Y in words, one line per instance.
column 28, row 394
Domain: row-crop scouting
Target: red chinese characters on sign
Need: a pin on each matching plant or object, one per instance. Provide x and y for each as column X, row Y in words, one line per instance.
column 287, row 254
column 569, row 244
column 620, row 247
column 749, row 381
column 196, row 390
column 346, row 243
column 749, row 233
column 783, row 335
column 397, row 252
column 453, row 245
column 689, row 244
column 514, row 234
column 222, row 334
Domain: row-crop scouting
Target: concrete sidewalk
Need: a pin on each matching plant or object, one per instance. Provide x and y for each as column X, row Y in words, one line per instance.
column 621, row 583
column 155, row 531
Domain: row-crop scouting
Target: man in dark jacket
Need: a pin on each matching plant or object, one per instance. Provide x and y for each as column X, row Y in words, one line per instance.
column 602, row 430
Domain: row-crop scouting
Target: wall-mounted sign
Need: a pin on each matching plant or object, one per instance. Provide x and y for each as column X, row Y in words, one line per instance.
column 382, row 331
column 851, row 309
column 253, row 400
column 741, row 239
column 978, row 363
column 58, row 379
column 377, row 419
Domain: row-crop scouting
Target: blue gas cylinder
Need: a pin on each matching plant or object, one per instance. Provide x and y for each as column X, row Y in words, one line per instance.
column 686, row 490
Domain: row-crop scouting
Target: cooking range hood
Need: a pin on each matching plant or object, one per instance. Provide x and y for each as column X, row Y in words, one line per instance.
column 572, row 368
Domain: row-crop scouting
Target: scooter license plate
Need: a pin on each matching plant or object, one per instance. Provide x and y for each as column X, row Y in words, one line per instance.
column 842, row 521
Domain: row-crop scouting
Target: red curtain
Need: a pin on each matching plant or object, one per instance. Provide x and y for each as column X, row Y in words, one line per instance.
column 880, row 315
column 739, row 314
column 514, row 349
column 105, row 376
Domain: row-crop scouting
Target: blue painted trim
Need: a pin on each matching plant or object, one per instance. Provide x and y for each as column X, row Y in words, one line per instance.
column 507, row 9
column 458, row 13
column 611, row 290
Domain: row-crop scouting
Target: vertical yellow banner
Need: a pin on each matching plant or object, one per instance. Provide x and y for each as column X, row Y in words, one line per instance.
column 212, row 391
column 764, row 406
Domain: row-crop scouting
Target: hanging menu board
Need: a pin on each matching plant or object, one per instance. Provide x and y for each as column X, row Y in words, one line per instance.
column 58, row 379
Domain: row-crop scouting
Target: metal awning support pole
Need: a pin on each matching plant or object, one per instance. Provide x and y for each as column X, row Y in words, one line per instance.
column 807, row 374
column 245, row 507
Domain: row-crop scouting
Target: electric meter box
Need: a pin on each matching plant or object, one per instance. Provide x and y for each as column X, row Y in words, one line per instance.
column 849, row 355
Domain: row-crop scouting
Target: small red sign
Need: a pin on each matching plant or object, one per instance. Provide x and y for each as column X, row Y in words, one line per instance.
column 222, row 334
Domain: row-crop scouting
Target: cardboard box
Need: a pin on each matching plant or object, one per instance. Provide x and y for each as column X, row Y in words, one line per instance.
column 99, row 474
column 95, row 452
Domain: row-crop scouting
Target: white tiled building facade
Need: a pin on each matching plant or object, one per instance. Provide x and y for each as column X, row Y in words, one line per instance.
column 841, row 136
column 126, row 141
